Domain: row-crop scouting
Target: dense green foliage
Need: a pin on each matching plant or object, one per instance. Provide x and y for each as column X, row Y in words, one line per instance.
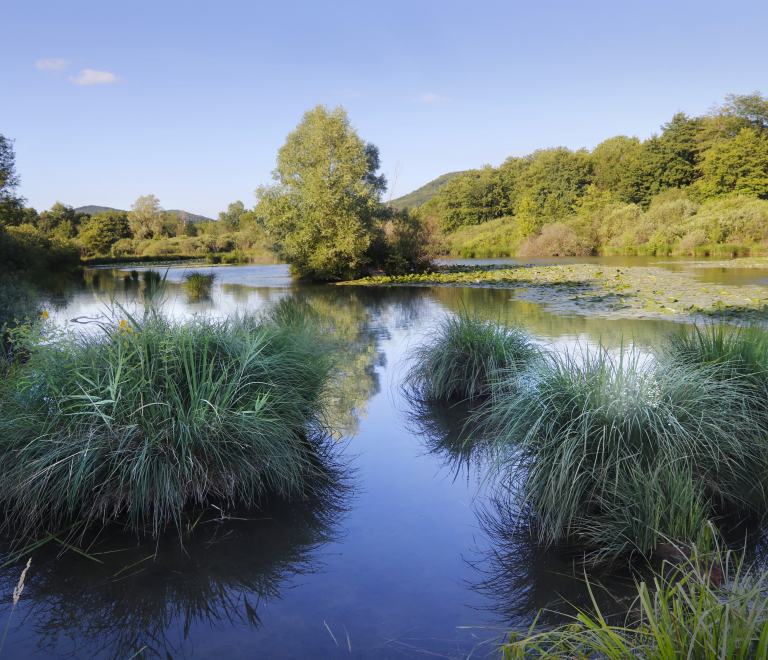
column 610, row 199
column 323, row 209
column 466, row 357
column 685, row 614
column 144, row 416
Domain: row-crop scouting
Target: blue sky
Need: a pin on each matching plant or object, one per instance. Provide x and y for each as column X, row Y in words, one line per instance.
column 109, row 100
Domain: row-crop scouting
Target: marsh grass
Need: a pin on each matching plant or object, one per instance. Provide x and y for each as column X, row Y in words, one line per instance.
column 735, row 353
column 616, row 452
column 145, row 416
column 466, row 356
column 198, row 285
column 684, row 614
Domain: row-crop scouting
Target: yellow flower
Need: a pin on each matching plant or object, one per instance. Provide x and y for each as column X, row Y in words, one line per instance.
column 44, row 316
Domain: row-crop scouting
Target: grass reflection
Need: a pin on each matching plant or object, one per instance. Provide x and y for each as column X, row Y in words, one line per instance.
column 150, row 596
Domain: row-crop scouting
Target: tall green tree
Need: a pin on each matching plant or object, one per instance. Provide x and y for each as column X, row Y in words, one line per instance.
column 11, row 205
column 231, row 217
column 323, row 210
column 146, row 217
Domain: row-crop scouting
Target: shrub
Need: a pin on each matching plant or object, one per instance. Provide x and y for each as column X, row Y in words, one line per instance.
column 599, row 446
column 410, row 244
column 692, row 240
column 555, row 240
column 146, row 415
column 735, row 219
column 466, row 357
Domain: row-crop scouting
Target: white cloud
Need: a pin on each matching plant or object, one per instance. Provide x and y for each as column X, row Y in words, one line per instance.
column 52, row 64
column 434, row 98
column 91, row 77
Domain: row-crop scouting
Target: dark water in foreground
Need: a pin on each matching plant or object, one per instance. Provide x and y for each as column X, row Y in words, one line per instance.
column 403, row 557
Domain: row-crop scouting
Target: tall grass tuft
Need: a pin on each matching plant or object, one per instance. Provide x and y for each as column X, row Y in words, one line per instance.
column 466, row 357
column 147, row 415
column 198, row 285
column 682, row 615
column 615, row 452
column 736, row 353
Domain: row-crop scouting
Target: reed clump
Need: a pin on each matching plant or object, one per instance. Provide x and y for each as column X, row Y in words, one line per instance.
column 685, row 614
column 198, row 285
column 615, row 452
column 147, row 415
column 466, row 357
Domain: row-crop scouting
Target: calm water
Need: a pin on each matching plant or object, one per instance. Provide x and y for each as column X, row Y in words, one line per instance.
column 403, row 557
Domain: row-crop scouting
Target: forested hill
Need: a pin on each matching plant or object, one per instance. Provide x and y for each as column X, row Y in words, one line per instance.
column 190, row 217
column 421, row 195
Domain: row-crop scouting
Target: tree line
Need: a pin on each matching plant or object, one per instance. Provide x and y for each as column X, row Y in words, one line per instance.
column 701, row 181
column 595, row 197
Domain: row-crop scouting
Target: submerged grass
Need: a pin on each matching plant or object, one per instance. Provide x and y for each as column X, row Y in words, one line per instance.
column 198, row 285
column 617, row 453
column 467, row 355
column 682, row 615
column 146, row 415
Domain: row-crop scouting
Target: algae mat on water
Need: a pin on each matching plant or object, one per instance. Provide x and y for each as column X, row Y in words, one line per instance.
column 632, row 291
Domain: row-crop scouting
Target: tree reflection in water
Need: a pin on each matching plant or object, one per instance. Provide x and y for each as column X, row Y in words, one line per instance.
column 143, row 594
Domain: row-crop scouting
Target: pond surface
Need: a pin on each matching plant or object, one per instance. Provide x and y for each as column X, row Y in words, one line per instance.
column 403, row 557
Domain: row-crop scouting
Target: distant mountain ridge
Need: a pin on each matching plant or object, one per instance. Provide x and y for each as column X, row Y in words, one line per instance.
column 191, row 217
column 423, row 194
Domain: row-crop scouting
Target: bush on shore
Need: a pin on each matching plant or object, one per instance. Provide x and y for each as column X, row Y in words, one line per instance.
column 145, row 415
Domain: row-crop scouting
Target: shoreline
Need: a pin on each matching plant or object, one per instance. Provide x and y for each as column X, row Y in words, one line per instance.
column 649, row 292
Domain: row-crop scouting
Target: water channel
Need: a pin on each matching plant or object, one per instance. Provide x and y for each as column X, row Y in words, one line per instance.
column 403, row 557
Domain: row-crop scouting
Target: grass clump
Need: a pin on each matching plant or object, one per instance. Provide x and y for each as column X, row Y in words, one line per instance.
column 735, row 353
column 616, row 453
column 147, row 415
column 684, row 615
column 198, row 285
column 467, row 355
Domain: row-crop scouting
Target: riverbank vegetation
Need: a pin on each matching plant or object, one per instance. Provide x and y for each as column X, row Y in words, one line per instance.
column 713, row 606
column 143, row 416
column 698, row 187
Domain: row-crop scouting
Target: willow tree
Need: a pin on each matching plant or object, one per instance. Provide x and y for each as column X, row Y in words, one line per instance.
column 324, row 209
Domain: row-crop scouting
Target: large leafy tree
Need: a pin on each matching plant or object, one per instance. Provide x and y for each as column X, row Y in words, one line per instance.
column 146, row 217
column 323, row 210
column 231, row 217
